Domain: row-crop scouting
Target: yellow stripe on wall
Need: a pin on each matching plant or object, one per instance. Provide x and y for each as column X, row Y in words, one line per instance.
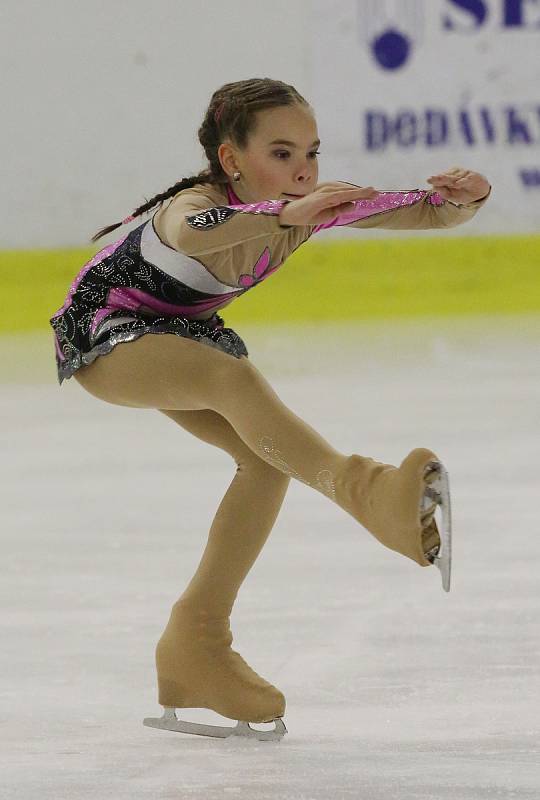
column 343, row 280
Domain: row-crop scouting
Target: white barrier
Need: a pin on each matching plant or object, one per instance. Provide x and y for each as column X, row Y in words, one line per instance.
column 101, row 111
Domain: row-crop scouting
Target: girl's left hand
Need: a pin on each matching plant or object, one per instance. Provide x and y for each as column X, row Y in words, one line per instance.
column 460, row 185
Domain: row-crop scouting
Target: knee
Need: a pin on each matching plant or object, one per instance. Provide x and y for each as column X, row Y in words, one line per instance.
column 265, row 475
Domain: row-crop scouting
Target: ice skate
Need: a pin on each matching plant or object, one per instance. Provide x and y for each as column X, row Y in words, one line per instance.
column 397, row 505
column 197, row 668
column 437, row 493
column 170, row 722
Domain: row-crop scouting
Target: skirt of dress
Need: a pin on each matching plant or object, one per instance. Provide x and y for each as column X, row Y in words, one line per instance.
column 212, row 332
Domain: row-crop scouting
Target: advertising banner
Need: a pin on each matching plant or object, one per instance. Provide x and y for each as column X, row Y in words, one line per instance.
column 403, row 89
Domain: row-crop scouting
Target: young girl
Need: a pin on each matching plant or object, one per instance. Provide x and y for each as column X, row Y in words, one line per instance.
column 223, row 232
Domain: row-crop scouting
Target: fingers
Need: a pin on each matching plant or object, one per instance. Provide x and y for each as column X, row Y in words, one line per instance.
column 341, row 186
column 369, row 193
column 339, row 197
column 451, row 177
column 360, row 191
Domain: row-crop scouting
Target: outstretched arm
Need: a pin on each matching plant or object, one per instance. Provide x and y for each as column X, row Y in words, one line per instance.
column 457, row 196
column 197, row 225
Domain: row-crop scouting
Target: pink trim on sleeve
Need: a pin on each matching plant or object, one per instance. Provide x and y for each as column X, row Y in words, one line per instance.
column 264, row 207
column 386, row 201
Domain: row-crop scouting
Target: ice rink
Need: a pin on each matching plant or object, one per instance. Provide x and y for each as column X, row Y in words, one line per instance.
column 395, row 689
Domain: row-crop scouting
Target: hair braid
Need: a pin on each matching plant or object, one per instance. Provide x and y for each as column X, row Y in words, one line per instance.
column 230, row 114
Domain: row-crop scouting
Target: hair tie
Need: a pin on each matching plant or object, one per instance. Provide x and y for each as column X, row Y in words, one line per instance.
column 128, row 219
column 219, row 112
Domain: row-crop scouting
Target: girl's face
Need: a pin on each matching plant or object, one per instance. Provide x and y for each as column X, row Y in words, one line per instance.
column 272, row 170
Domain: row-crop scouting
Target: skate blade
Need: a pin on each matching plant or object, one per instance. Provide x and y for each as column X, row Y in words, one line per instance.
column 170, row 722
column 438, row 491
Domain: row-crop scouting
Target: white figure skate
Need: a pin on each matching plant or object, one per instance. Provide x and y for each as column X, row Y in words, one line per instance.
column 170, row 722
column 437, row 493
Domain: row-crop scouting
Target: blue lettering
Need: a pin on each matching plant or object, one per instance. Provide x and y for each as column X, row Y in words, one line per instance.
column 406, row 129
column 436, row 128
column 466, row 127
column 514, row 13
column 487, row 124
column 517, row 128
column 476, row 8
column 377, row 130
column 530, row 177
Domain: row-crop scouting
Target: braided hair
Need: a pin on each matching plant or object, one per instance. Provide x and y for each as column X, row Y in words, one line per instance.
column 230, row 114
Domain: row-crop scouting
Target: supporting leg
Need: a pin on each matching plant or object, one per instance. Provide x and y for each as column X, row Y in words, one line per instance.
column 195, row 663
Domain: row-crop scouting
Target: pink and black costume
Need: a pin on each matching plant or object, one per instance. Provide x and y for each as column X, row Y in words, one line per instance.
column 211, row 248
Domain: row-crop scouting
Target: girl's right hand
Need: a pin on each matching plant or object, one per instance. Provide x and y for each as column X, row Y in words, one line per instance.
column 325, row 202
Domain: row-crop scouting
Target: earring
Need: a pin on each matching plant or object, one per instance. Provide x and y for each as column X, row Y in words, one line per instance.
column 236, row 176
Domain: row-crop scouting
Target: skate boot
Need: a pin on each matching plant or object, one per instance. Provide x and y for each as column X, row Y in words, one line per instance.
column 397, row 505
column 197, row 668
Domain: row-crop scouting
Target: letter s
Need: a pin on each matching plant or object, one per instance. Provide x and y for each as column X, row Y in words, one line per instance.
column 476, row 8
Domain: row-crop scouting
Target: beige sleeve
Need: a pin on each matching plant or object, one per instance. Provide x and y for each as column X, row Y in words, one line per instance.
column 196, row 226
column 407, row 211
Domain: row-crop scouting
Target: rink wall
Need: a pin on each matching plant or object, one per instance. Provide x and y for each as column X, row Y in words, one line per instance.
column 108, row 104
column 327, row 281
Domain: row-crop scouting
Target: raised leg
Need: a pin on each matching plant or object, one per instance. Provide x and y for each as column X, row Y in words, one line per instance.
column 170, row 372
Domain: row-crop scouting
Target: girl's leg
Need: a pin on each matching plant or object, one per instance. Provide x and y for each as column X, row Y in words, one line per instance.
column 243, row 521
column 198, row 631
column 169, row 372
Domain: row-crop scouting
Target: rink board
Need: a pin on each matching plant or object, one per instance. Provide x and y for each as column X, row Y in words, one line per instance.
column 345, row 280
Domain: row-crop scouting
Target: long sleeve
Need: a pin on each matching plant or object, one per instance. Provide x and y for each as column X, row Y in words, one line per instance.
column 195, row 225
column 405, row 210
column 238, row 243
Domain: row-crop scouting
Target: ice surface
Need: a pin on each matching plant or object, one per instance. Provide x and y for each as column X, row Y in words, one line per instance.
column 394, row 688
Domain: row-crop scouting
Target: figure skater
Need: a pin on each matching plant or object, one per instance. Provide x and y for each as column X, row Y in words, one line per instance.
column 221, row 233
